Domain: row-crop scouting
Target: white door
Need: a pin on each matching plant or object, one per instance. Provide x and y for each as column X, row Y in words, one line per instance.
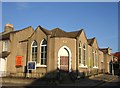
column 3, row 66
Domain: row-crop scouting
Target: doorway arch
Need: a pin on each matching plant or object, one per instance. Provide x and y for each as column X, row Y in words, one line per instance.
column 64, row 59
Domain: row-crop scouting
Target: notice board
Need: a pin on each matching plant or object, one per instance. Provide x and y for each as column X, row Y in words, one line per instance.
column 19, row 60
column 31, row 65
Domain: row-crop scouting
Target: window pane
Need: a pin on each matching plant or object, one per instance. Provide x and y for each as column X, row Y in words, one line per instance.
column 33, row 57
column 5, row 45
column 84, row 58
column 45, row 55
column 42, row 48
column 32, row 49
column 41, row 61
column 44, row 42
column 41, row 55
column 44, row 61
column 43, row 52
column 35, row 43
column 35, row 49
column 79, row 55
column 45, row 48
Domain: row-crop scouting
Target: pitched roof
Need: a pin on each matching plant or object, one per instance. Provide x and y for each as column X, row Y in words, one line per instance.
column 45, row 30
column 91, row 41
column 117, row 54
column 104, row 50
column 6, row 35
column 57, row 32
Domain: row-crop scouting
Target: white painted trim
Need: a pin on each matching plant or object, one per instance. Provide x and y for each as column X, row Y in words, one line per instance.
column 40, row 53
column 31, row 49
column 31, row 62
column 41, row 66
column 82, row 66
column 80, row 53
column 84, row 49
column 70, row 57
column 95, row 67
column 38, row 65
column 4, row 46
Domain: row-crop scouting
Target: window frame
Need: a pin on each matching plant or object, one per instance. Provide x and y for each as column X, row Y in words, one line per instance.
column 93, row 55
column 44, row 64
column 80, row 53
column 5, row 45
column 95, row 59
column 35, row 51
column 84, row 55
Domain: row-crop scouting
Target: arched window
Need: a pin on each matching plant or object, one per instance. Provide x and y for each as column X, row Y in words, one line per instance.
column 93, row 55
column 96, row 58
column 80, row 53
column 84, row 55
column 34, row 51
column 43, row 59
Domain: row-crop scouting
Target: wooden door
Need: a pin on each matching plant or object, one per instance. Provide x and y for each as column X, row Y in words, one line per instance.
column 64, row 63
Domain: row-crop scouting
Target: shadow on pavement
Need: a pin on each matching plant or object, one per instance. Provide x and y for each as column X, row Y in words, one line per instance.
column 64, row 78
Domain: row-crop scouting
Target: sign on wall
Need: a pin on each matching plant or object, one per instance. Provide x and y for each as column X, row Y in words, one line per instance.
column 31, row 65
column 19, row 60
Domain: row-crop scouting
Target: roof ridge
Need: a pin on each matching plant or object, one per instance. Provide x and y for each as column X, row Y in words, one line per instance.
column 57, row 29
column 44, row 30
column 23, row 29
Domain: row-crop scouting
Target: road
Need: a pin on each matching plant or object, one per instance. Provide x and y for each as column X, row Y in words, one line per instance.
column 114, row 83
column 107, row 81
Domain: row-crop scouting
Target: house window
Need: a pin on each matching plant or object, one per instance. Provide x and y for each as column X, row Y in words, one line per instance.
column 43, row 60
column 80, row 54
column 93, row 55
column 96, row 59
column 34, row 51
column 5, row 45
column 84, row 55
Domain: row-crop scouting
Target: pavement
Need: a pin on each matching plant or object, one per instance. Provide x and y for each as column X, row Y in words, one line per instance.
column 92, row 81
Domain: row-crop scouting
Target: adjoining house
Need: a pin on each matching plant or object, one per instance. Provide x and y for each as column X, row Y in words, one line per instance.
column 116, row 63
column 50, row 50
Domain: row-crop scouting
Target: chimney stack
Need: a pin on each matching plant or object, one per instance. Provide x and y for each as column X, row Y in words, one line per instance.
column 8, row 28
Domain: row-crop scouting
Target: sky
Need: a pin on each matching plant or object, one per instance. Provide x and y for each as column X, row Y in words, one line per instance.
column 98, row 19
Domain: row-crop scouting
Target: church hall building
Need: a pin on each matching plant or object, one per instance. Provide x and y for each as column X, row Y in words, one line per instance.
column 43, row 51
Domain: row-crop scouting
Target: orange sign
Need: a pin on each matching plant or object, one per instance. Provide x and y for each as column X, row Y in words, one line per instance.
column 18, row 60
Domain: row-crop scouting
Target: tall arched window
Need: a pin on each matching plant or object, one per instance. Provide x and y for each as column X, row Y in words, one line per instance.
column 93, row 55
column 80, row 53
column 43, row 59
column 34, row 51
column 84, row 55
column 96, row 58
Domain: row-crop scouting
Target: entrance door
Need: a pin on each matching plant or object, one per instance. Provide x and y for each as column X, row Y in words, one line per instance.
column 2, row 66
column 64, row 59
column 64, row 63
